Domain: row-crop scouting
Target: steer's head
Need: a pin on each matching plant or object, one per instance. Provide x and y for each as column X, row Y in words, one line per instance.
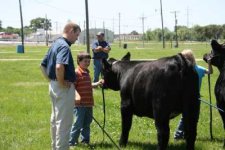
column 112, row 72
column 217, row 54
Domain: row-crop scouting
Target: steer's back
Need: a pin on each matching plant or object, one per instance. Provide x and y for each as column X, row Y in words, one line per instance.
column 155, row 84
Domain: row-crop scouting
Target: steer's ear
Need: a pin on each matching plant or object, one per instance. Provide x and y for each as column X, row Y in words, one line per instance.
column 216, row 46
column 126, row 57
column 105, row 64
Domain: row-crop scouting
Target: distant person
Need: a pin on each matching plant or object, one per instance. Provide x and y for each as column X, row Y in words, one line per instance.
column 201, row 71
column 100, row 50
column 58, row 68
column 84, row 101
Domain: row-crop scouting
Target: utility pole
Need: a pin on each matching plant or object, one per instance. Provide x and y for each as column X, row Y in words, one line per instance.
column 21, row 20
column 103, row 27
column 95, row 28
column 46, row 30
column 113, row 28
column 189, row 34
column 119, row 32
column 87, row 27
column 143, row 30
column 84, row 39
column 187, row 17
column 56, row 27
column 175, row 28
column 163, row 37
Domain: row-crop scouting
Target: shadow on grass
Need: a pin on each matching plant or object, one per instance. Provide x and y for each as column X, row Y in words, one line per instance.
column 103, row 145
column 147, row 146
column 207, row 139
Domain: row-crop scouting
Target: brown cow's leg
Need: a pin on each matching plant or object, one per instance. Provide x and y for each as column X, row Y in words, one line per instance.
column 126, row 114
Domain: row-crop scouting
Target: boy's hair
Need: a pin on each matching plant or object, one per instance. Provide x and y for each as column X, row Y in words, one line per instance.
column 82, row 55
column 188, row 54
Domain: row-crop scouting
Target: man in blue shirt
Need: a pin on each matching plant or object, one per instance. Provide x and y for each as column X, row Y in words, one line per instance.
column 58, row 68
column 100, row 50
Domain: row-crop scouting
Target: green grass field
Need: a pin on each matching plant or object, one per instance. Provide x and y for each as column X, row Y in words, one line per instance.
column 25, row 105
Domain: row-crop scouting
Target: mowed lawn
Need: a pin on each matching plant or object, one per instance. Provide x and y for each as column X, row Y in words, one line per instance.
column 25, row 105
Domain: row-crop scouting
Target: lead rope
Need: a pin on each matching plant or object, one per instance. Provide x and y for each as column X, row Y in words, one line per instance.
column 210, row 109
column 104, row 114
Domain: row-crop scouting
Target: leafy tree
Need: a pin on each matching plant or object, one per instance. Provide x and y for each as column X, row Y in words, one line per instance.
column 134, row 33
column 40, row 23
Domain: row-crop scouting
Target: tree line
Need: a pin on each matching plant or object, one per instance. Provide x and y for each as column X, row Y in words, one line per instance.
column 195, row 33
column 37, row 23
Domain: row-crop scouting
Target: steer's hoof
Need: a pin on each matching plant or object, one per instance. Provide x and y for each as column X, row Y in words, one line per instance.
column 122, row 143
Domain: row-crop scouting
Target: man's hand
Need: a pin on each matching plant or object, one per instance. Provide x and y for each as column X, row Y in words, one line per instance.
column 65, row 84
column 44, row 72
column 99, row 48
column 60, row 69
column 106, row 49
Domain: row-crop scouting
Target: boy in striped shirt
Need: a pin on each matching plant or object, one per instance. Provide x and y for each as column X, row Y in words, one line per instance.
column 83, row 101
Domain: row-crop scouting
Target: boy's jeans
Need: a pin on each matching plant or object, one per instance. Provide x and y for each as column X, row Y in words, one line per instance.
column 82, row 121
column 97, row 69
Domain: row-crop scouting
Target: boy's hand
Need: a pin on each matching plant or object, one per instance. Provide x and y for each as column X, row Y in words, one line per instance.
column 209, row 60
column 77, row 96
column 101, row 82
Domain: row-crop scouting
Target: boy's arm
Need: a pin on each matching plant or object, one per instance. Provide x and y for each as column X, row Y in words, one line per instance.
column 77, row 96
column 99, row 83
column 44, row 72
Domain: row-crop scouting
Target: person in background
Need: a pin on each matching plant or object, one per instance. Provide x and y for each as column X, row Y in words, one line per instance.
column 84, row 101
column 101, row 50
column 58, row 68
column 201, row 71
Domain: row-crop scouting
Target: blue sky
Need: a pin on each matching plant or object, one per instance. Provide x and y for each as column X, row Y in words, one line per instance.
column 201, row 12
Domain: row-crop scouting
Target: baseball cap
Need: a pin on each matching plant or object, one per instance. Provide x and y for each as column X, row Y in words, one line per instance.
column 100, row 33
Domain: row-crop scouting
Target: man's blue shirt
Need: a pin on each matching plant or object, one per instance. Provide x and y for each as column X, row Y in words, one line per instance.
column 59, row 53
column 100, row 55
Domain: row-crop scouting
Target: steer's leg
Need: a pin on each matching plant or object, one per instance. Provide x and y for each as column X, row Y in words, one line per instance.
column 162, row 125
column 126, row 114
column 221, row 105
column 191, row 115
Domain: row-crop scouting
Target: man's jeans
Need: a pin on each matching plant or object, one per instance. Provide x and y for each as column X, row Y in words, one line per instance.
column 97, row 69
column 82, row 121
column 62, row 114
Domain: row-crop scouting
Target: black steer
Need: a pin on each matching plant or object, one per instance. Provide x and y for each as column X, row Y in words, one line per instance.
column 217, row 57
column 158, row 89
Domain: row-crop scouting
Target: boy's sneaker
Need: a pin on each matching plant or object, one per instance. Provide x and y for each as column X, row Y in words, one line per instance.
column 88, row 145
column 179, row 135
column 75, row 144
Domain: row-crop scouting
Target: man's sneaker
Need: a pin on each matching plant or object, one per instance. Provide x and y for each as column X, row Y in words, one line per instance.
column 179, row 135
